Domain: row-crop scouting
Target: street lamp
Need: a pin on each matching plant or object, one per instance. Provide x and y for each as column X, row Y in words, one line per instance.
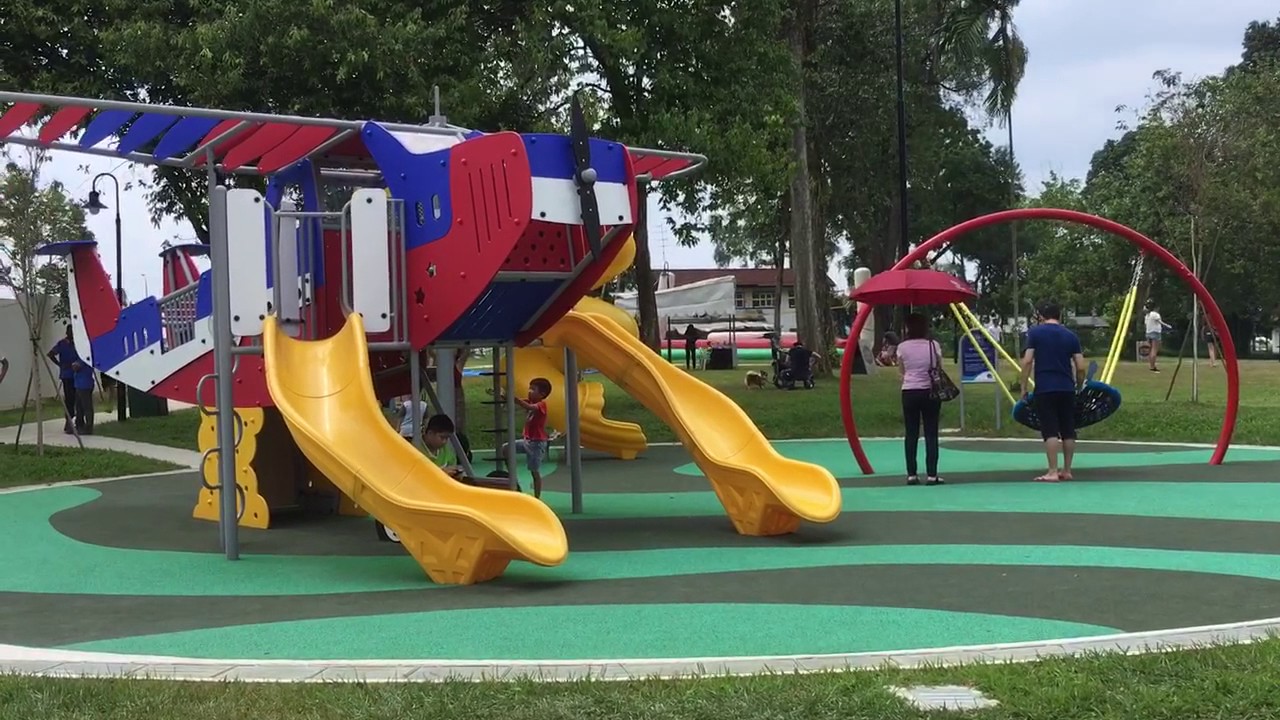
column 94, row 206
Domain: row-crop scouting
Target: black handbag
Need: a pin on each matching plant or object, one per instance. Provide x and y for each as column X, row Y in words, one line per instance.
column 940, row 386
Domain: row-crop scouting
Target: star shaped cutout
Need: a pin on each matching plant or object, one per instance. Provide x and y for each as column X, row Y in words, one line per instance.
column 419, row 297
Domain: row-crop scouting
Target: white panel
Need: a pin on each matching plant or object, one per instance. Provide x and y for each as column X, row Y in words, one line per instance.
column 559, row 200
column 246, row 248
column 287, row 272
column 79, row 331
column 371, row 259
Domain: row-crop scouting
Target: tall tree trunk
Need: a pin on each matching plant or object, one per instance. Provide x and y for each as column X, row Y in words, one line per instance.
column 780, row 263
column 642, row 271
column 807, row 252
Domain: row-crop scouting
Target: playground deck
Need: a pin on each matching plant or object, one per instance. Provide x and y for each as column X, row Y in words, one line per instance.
column 1146, row 538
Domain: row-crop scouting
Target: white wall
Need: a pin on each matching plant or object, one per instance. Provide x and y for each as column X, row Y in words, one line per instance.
column 14, row 345
column 743, row 301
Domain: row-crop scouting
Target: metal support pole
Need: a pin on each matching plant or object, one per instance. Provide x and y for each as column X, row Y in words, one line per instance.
column 1195, row 319
column 511, row 414
column 222, row 340
column 573, row 433
column 415, row 391
column 445, row 358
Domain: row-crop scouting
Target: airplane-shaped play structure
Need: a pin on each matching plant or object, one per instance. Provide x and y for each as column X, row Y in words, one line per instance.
column 315, row 312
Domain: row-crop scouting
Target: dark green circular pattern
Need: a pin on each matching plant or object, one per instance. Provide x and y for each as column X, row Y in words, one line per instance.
column 1147, row 537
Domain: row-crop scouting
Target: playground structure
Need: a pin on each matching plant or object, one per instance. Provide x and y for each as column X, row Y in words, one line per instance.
column 311, row 316
column 1146, row 245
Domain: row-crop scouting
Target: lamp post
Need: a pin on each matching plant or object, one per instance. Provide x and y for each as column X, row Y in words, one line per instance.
column 94, row 206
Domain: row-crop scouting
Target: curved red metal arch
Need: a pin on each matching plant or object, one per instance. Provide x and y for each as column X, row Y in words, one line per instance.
column 1146, row 244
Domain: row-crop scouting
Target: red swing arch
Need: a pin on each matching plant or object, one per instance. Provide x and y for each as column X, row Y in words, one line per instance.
column 1214, row 315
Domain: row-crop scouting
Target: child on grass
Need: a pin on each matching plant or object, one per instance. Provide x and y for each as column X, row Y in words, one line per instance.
column 534, row 439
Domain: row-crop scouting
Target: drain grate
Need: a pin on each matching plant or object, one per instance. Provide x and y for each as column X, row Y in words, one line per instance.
column 944, row 697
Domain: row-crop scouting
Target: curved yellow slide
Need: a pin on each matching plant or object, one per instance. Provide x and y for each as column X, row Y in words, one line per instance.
column 459, row 534
column 762, row 492
column 623, row 440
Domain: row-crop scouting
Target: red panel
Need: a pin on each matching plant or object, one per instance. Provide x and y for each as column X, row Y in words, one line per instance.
column 248, row 389
column 491, row 194
column 657, row 166
column 582, row 284
column 17, row 116
column 265, row 139
column 62, row 121
column 544, row 247
column 295, row 148
column 226, row 145
column 97, row 294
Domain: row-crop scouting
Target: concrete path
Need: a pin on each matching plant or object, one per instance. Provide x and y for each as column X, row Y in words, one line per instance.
column 53, row 435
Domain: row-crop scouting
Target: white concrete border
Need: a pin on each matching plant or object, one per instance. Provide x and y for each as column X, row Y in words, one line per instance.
column 47, row 662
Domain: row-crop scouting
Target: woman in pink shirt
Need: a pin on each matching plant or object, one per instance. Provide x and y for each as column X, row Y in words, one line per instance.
column 916, row 356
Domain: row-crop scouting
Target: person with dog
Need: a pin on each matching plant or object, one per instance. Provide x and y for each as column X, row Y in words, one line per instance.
column 1054, row 355
column 918, row 354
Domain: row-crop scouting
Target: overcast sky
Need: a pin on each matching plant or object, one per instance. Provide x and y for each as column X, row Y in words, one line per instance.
column 1085, row 58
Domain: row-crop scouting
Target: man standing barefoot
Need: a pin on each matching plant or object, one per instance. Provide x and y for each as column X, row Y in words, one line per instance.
column 1053, row 352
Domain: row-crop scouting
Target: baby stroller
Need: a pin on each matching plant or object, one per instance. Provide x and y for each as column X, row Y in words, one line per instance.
column 790, row 366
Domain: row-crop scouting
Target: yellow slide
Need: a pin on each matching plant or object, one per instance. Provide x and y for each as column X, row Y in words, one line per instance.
column 762, row 492
column 623, row 440
column 459, row 534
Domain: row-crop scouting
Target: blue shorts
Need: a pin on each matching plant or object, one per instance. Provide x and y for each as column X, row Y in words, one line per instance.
column 534, row 450
column 1154, row 336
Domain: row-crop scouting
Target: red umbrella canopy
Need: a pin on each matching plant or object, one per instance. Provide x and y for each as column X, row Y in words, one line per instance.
column 913, row 287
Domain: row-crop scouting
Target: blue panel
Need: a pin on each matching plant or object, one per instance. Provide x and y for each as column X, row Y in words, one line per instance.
column 551, row 156
column 416, row 179
column 191, row 249
column 182, row 137
column 138, row 327
column 204, row 295
column 104, row 125
column 65, row 247
column 143, row 130
column 303, row 175
column 503, row 309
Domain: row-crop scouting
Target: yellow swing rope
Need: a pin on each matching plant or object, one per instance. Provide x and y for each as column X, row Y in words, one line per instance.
column 1117, row 341
column 985, row 360
column 999, row 348
column 1122, row 328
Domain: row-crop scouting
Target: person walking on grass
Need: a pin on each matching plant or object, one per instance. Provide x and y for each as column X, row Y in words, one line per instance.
column 917, row 356
column 1053, row 353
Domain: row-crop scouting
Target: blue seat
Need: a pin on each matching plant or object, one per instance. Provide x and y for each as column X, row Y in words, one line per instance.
column 1095, row 402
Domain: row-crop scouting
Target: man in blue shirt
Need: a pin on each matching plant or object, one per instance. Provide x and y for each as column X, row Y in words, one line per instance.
column 84, row 382
column 64, row 354
column 1053, row 352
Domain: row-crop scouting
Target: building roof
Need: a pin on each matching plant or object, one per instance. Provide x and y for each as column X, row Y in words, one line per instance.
column 742, row 277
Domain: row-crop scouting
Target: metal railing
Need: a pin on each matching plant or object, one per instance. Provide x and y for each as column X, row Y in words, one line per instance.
column 178, row 316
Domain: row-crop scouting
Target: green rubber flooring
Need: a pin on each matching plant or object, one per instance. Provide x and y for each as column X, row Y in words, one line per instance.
column 1146, row 538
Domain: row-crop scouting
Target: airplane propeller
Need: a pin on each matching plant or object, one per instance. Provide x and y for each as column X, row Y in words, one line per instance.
column 584, row 176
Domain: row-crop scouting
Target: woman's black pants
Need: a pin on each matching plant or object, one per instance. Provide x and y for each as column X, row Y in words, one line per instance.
column 917, row 409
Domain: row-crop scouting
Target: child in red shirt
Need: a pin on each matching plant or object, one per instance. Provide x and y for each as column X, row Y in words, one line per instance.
column 535, row 439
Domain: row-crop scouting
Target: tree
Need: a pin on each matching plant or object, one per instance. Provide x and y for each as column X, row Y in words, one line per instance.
column 32, row 214
column 699, row 75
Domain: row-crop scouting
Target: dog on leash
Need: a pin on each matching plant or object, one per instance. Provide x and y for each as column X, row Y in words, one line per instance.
column 753, row 380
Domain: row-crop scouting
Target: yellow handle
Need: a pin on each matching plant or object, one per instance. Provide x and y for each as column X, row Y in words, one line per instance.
column 985, row 361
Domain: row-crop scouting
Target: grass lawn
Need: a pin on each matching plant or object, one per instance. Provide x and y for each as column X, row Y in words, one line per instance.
column 1224, row 682
column 1145, row 414
column 52, row 411
column 20, row 465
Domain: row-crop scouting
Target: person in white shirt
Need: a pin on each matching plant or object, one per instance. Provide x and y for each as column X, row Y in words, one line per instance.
column 406, row 417
column 1155, row 326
